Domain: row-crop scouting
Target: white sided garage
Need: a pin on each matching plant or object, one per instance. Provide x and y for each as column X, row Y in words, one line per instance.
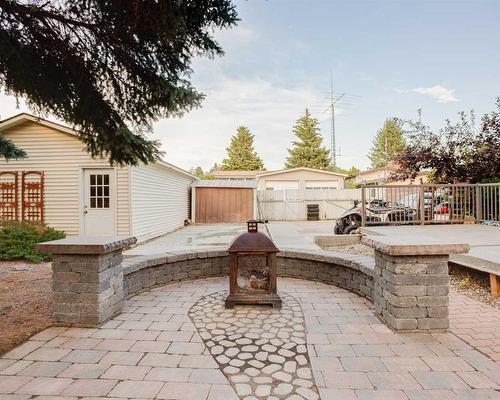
column 300, row 179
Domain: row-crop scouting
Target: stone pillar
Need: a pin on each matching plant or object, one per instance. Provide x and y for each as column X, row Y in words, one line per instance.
column 411, row 285
column 87, row 279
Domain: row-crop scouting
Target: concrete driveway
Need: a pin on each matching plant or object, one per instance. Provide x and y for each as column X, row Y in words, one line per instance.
column 299, row 234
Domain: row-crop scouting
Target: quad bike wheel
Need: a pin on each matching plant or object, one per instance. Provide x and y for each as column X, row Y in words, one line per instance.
column 350, row 229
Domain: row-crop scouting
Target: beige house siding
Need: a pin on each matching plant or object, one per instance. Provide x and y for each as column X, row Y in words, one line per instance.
column 62, row 156
column 160, row 200
column 422, row 177
column 300, row 177
column 380, row 176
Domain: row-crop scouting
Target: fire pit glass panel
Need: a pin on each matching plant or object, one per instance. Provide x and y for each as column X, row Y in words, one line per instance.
column 253, row 274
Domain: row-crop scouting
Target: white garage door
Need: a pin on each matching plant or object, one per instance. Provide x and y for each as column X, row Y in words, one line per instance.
column 321, row 184
column 280, row 185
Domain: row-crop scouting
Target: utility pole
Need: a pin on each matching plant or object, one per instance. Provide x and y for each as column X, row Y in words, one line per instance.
column 333, row 101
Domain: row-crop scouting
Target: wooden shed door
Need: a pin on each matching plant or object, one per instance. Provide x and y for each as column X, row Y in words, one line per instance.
column 217, row 205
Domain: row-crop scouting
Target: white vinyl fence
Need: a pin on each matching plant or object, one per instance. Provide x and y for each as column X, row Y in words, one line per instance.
column 291, row 204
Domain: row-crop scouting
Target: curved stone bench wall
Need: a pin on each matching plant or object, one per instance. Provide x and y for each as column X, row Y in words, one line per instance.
column 407, row 282
column 351, row 273
column 145, row 272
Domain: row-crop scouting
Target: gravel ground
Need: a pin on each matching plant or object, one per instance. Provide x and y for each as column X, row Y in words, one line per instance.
column 357, row 248
column 475, row 284
column 25, row 301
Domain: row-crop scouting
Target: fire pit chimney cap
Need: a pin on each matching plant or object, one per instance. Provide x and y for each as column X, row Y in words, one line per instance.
column 252, row 225
column 252, row 241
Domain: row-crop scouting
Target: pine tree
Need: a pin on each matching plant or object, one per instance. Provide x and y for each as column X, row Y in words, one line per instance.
column 353, row 170
column 108, row 68
column 198, row 171
column 215, row 167
column 307, row 151
column 200, row 174
column 387, row 144
column 9, row 150
column 241, row 154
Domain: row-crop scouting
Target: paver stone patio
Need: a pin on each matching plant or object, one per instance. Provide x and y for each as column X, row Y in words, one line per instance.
column 154, row 350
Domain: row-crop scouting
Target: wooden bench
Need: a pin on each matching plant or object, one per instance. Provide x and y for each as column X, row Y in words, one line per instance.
column 468, row 261
column 495, row 285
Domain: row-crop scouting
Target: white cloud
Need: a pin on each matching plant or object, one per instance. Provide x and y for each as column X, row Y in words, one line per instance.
column 439, row 93
column 201, row 136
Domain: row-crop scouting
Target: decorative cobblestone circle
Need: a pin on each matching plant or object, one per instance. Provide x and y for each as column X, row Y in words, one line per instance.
column 262, row 351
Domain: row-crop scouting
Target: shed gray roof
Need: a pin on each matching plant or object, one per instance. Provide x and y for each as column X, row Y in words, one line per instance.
column 227, row 183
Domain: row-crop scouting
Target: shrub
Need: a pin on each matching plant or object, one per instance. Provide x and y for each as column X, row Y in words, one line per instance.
column 18, row 240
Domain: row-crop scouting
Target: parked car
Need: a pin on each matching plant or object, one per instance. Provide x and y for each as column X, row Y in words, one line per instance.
column 442, row 208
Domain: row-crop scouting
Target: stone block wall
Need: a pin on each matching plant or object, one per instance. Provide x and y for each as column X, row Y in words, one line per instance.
column 408, row 283
column 329, row 273
column 87, row 289
column 147, row 273
column 411, row 292
column 87, row 279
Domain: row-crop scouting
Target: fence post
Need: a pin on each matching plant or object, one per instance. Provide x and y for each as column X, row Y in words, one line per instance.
column 363, row 205
column 285, row 202
column 479, row 203
column 422, row 204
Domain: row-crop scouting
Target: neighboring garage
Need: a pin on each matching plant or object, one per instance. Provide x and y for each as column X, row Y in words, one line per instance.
column 300, row 179
column 223, row 201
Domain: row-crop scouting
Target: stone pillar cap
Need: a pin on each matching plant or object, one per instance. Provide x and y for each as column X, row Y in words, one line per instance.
column 86, row 244
column 394, row 245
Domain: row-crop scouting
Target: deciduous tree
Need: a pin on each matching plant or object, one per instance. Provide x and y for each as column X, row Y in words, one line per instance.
column 457, row 153
column 108, row 67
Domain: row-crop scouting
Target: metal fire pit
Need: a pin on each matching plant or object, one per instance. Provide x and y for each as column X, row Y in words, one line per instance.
column 252, row 269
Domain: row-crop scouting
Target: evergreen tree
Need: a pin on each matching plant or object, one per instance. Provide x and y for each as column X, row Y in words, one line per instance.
column 9, row 150
column 215, row 167
column 108, row 68
column 200, row 174
column 198, row 171
column 387, row 144
column 307, row 151
column 353, row 170
column 241, row 154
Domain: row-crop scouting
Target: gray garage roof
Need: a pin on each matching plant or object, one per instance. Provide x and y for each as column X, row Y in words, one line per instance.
column 226, row 183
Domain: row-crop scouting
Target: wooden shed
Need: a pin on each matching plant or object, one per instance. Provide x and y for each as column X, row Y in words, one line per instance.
column 223, row 201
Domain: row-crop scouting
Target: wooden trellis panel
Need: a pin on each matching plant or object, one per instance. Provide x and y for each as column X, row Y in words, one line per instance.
column 32, row 196
column 9, row 203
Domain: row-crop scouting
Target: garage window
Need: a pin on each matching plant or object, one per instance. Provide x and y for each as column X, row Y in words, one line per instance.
column 280, row 185
column 321, row 185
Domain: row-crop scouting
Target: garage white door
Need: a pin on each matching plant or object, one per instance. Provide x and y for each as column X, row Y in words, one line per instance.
column 321, row 185
column 280, row 185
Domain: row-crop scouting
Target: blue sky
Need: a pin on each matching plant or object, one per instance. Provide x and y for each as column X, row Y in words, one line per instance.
column 396, row 56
